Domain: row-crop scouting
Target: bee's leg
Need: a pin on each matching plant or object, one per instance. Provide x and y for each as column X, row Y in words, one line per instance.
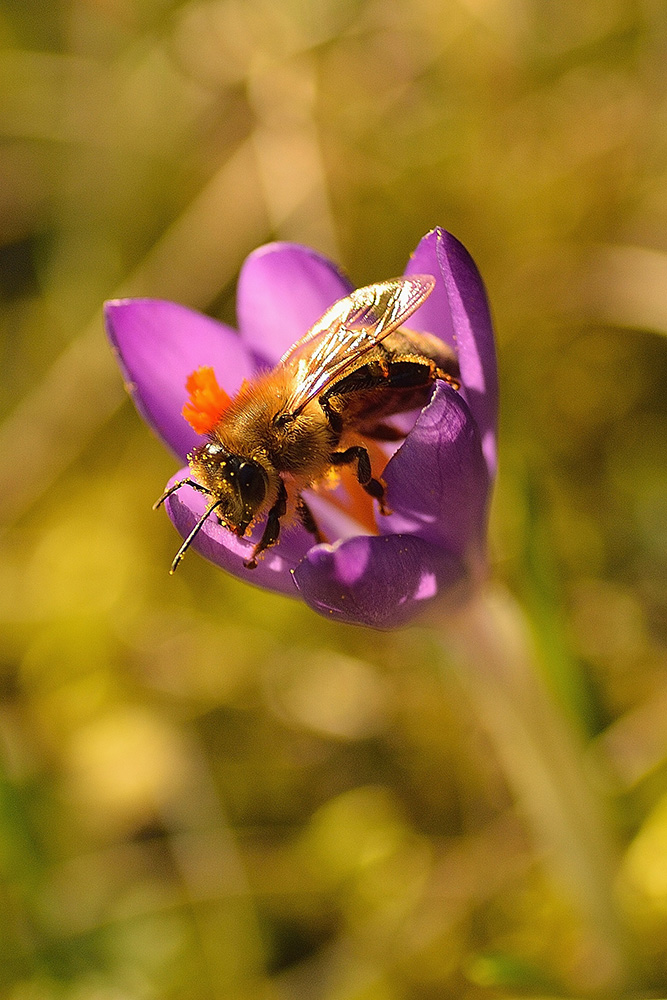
column 307, row 519
column 334, row 418
column 372, row 486
column 271, row 528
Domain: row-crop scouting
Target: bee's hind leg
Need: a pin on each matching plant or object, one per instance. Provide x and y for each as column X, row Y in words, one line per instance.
column 271, row 528
column 373, row 487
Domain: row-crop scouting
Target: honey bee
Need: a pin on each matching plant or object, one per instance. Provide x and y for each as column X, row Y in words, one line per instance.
column 287, row 429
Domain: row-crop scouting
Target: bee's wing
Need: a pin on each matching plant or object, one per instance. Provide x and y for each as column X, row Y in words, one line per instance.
column 349, row 329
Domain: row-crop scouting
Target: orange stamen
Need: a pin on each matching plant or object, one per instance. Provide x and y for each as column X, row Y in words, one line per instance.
column 208, row 401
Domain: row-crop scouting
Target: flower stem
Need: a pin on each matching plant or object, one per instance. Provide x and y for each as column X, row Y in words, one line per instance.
column 544, row 762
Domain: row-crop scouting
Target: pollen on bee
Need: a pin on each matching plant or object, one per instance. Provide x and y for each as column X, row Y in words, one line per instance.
column 208, row 400
column 330, row 480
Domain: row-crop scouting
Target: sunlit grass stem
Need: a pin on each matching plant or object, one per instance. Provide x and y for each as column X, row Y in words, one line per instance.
column 545, row 764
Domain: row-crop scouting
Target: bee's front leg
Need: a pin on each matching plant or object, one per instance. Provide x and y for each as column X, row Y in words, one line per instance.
column 271, row 528
column 372, row 486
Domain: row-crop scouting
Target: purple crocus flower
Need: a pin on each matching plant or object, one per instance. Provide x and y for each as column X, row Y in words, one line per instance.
column 431, row 546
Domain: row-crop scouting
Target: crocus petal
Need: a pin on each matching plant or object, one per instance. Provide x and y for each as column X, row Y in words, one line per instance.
column 379, row 581
column 225, row 549
column 283, row 289
column 333, row 522
column 457, row 310
column 158, row 345
column 438, row 482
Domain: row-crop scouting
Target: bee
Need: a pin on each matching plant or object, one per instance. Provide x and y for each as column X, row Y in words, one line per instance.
column 289, row 428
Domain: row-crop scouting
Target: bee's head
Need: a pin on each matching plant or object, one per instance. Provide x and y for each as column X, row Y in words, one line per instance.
column 239, row 484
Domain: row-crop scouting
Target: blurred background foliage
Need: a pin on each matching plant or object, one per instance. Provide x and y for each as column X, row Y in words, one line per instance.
column 207, row 791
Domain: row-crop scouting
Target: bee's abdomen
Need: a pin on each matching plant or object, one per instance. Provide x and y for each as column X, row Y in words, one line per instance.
column 408, row 342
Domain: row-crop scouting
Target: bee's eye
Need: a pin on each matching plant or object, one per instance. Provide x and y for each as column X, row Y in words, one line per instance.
column 252, row 484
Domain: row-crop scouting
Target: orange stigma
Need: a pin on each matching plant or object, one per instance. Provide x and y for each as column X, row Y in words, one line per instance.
column 208, row 401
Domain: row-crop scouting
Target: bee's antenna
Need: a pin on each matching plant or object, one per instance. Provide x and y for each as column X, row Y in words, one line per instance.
column 172, row 489
column 188, row 541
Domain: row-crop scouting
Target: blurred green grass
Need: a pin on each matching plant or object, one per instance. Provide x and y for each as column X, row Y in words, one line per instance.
column 206, row 791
